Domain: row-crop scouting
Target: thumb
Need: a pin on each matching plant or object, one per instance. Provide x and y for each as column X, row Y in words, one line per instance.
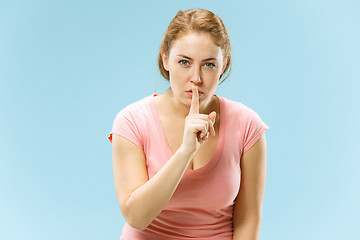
column 212, row 116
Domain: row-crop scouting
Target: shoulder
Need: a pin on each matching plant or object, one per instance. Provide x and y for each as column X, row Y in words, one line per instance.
column 246, row 123
column 238, row 109
column 131, row 120
column 138, row 108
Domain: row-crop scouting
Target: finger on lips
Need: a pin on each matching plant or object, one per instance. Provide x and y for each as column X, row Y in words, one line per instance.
column 194, row 108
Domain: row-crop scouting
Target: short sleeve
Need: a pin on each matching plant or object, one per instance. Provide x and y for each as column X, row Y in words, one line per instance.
column 254, row 129
column 126, row 125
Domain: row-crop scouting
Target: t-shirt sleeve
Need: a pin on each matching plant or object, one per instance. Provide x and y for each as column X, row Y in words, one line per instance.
column 254, row 129
column 126, row 124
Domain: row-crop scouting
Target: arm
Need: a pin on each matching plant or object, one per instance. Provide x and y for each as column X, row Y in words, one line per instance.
column 140, row 199
column 248, row 204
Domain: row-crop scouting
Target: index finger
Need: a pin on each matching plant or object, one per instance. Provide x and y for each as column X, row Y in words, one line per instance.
column 194, row 108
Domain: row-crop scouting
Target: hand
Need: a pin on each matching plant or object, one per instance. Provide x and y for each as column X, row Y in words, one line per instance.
column 197, row 126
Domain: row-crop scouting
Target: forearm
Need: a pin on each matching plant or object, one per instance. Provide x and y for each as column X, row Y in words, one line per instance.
column 247, row 231
column 147, row 201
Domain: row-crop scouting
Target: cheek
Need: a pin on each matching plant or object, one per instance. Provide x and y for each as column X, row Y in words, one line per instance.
column 176, row 82
column 177, row 72
column 177, row 76
column 211, row 75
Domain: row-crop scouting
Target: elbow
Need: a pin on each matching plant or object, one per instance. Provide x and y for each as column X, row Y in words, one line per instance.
column 137, row 226
column 135, row 218
column 137, row 223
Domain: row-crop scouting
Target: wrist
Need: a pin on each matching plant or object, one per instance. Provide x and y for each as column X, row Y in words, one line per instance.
column 186, row 152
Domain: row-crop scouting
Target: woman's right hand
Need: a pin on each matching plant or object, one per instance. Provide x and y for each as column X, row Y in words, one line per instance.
column 197, row 126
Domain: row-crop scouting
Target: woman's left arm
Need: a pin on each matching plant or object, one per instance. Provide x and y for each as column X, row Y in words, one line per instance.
column 248, row 204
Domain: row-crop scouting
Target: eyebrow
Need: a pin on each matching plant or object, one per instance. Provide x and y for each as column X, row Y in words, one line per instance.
column 207, row 59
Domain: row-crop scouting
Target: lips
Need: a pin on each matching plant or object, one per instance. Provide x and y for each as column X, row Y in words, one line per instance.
column 190, row 94
column 199, row 91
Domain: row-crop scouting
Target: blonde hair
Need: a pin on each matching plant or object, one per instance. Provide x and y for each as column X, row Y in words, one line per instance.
column 195, row 20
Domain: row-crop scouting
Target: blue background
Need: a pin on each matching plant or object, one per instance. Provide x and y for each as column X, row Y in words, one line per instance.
column 68, row 67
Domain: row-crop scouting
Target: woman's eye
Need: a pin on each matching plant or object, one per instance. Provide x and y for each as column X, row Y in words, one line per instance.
column 211, row 65
column 183, row 61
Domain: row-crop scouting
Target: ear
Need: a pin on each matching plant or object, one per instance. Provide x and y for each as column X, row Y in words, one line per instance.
column 164, row 60
column 224, row 66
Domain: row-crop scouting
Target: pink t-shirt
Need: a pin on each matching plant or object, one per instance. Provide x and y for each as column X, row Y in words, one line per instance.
column 202, row 204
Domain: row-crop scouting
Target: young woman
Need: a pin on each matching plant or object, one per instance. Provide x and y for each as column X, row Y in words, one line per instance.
column 179, row 157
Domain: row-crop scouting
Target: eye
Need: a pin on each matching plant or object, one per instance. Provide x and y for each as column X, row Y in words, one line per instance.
column 211, row 65
column 183, row 61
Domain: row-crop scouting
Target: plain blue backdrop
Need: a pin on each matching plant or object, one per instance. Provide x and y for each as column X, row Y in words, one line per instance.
column 68, row 67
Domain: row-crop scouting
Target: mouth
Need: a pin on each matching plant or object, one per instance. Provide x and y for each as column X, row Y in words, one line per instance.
column 199, row 91
column 190, row 93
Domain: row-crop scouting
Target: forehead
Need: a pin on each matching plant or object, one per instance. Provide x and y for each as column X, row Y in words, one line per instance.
column 196, row 45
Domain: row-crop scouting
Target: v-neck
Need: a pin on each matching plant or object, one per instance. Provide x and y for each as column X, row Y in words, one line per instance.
column 220, row 142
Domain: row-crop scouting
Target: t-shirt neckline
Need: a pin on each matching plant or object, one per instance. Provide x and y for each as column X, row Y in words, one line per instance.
column 220, row 142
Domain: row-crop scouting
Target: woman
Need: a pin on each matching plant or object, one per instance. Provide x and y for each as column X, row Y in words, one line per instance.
column 176, row 156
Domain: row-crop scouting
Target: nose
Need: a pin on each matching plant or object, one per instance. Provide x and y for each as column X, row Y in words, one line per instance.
column 196, row 75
